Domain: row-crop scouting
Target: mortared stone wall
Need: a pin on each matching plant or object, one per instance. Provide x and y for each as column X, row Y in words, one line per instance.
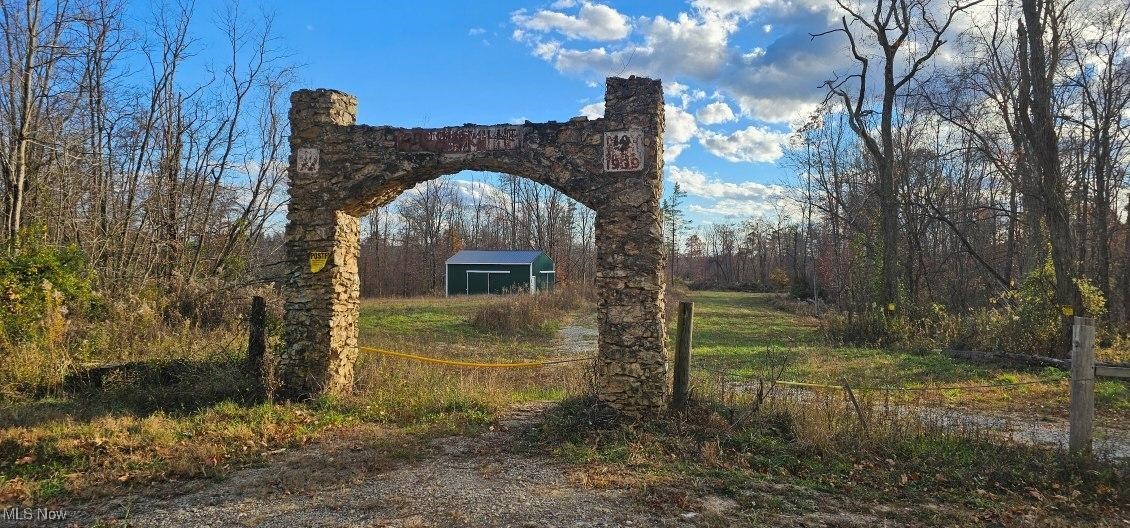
column 340, row 170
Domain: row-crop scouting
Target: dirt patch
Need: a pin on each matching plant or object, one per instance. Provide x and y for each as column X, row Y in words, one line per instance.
column 579, row 337
column 374, row 477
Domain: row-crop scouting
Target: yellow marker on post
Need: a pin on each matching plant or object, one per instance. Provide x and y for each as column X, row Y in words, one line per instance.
column 318, row 260
column 891, row 307
column 1068, row 310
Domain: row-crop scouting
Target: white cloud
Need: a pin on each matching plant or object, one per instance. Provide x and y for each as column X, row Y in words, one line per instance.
column 593, row 111
column 742, row 8
column 680, row 127
column 714, row 113
column 778, row 83
column 740, row 199
column 475, row 190
column 674, row 89
column 1121, row 201
column 476, row 31
column 748, row 144
column 669, row 49
column 546, row 50
column 698, row 184
column 740, row 209
column 680, row 124
column 683, row 93
column 592, row 22
column 672, row 151
column 782, row 83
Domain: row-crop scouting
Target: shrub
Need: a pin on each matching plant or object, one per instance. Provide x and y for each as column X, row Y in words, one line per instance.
column 40, row 286
column 780, row 280
column 42, row 290
column 807, row 307
column 1025, row 320
column 871, row 326
column 54, row 322
column 529, row 315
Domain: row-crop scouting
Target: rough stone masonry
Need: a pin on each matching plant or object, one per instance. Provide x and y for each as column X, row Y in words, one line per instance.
column 340, row 170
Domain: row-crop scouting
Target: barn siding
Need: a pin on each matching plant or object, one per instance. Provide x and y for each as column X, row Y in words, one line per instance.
column 517, row 281
column 545, row 281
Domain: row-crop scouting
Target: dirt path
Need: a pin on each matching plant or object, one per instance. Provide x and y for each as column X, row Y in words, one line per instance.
column 1027, row 429
column 353, row 478
column 579, row 337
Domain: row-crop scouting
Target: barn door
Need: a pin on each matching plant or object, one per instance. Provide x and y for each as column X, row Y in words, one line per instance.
column 477, row 283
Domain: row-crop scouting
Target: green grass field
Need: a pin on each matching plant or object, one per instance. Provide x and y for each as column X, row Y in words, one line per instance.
column 442, row 325
column 203, row 423
column 744, row 334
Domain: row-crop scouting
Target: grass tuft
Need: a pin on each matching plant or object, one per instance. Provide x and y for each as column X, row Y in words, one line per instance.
column 528, row 315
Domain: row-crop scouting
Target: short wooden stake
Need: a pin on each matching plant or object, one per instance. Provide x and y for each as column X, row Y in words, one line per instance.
column 682, row 387
column 855, row 403
column 1082, row 385
column 257, row 336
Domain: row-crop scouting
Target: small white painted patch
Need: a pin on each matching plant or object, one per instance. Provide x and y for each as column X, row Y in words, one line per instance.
column 307, row 160
column 623, row 151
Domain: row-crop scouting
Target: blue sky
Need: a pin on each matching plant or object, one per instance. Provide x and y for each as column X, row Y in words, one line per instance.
column 737, row 72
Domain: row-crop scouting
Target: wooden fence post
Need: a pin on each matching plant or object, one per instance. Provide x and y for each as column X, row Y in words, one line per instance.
column 1082, row 384
column 682, row 387
column 257, row 336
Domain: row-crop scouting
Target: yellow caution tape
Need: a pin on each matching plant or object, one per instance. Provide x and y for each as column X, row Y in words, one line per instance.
column 452, row 362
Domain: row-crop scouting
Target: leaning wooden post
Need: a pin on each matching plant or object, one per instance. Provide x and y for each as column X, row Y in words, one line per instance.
column 257, row 336
column 1082, row 384
column 682, row 387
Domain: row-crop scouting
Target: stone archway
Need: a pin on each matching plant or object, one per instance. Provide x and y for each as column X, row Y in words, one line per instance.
column 340, row 170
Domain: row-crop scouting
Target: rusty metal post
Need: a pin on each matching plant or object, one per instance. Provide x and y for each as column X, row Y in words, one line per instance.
column 682, row 387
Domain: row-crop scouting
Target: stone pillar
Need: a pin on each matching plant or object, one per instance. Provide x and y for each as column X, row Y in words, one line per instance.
column 320, row 318
column 631, row 370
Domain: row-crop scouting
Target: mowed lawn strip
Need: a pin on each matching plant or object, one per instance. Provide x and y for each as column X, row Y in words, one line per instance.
column 743, row 333
column 441, row 326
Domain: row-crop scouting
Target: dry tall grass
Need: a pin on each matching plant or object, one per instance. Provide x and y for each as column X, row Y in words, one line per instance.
column 196, row 323
column 525, row 315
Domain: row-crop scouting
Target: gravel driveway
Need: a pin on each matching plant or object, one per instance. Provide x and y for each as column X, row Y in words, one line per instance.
column 349, row 479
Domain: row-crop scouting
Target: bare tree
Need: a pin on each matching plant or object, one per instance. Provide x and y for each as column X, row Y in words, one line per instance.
column 904, row 32
column 1039, row 51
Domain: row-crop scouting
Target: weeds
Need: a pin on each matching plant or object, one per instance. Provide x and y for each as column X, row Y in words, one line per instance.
column 529, row 315
column 1023, row 320
column 141, row 421
column 817, row 444
column 94, row 444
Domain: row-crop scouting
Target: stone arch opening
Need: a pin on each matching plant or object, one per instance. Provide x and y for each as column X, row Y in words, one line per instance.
column 405, row 243
column 339, row 170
